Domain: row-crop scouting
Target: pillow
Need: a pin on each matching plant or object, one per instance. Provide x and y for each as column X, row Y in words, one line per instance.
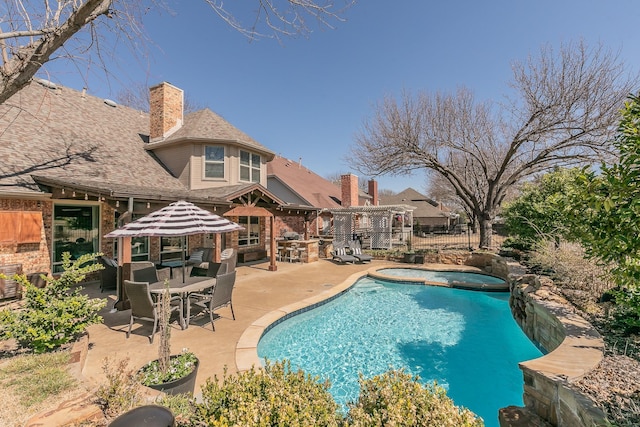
column 356, row 251
column 341, row 251
column 196, row 257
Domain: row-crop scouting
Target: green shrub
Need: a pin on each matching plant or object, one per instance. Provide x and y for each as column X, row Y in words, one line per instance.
column 122, row 390
column 54, row 315
column 273, row 396
column 398, row 399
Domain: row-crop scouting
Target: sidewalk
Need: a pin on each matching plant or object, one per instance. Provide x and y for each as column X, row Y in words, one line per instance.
column 256, row 293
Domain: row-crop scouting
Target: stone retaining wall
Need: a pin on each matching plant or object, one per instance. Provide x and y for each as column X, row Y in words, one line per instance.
column 574, row 346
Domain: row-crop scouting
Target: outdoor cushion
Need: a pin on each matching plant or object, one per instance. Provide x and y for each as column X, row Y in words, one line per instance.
column 196, row 257
column 341, row 251
column 356, row 251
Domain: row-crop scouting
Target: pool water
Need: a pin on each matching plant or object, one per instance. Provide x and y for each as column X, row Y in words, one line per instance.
column 443, row 276
column 467, row 341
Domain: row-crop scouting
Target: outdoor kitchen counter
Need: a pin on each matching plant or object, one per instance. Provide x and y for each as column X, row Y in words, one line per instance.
column 308, row 247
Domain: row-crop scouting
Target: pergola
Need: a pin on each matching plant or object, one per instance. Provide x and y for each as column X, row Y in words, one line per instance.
column 381, row 225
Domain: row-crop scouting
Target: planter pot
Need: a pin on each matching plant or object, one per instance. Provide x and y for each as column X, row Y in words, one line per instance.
column 419, row 259
column 149, row 415
column 410, row 258
column 185, row 384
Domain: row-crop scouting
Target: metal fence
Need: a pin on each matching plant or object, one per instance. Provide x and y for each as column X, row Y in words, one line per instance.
column 435, row 240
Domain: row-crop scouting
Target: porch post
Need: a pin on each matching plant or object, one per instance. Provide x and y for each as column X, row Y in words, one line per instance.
column 272, row 244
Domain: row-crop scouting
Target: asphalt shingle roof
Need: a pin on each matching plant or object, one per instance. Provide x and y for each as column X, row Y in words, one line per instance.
column 306, row 184
column 68, row 136
column 424, row 207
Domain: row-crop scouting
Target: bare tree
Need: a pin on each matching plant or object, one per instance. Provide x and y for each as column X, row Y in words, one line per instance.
column 32, row 31
column 562, row 111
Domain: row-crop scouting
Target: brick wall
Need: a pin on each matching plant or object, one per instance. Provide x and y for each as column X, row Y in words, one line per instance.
column 349, row 190
column 34, row 257
column 165, row 109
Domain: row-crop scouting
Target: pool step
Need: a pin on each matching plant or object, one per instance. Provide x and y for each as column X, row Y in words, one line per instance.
column 516, row 416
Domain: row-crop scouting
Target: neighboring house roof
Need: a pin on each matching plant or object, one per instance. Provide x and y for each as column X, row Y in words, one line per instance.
column 424, row 206
column 207, row 125
column 299, row 185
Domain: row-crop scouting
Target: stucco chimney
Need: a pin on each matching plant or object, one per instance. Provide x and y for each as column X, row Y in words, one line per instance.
column 373, row 191
column 165, row 110
column 349, row 184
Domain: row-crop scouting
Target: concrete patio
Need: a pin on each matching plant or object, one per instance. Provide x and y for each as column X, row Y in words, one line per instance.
column 257, row 292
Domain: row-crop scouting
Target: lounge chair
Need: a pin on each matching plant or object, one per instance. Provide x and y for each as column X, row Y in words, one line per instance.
column 356, row 251
column 340, row 254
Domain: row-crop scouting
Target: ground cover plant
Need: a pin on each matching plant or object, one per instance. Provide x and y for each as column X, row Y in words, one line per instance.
column 34, row 382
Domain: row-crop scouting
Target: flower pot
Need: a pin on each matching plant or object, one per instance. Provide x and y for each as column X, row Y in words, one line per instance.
column 186, row 384
column 409, row 258
column 148, row 415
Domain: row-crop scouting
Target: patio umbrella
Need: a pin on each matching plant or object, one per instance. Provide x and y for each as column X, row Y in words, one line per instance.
column 180, row 218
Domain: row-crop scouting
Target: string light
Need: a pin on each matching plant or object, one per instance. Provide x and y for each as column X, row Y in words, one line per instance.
column 148, row 205
column 74, row 194
column 62, row 190
column 117, row 203
column 86, row 196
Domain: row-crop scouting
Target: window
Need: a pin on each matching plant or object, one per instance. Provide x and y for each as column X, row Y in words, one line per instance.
column 251, row 233
column 75, row 230
column 214, row 161
column 172, row 248
column 249, row 167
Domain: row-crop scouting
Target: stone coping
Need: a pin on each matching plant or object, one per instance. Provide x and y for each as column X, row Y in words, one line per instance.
column 581, row 350
column 446, row 268
column 247, row 346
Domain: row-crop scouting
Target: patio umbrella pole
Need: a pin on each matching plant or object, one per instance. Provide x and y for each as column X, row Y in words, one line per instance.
column 184, row 267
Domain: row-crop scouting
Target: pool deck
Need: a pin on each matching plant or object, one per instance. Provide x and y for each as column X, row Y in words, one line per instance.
column 260, row 297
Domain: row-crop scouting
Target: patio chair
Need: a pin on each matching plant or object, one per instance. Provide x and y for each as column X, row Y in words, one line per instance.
column 340, row 254
column 221, row 296
column 146, row 271
column 143, row 307
column 230, row 257
column 356, row 251
column 109, row 274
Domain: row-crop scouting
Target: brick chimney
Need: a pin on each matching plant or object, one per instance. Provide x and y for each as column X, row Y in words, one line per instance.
column 373, row 191
column 165, row 110
column 349, row 184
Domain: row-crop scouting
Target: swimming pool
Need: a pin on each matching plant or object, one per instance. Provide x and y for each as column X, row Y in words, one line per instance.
column 467, row 341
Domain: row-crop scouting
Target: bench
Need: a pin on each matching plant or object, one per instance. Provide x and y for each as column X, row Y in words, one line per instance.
column 252, row 255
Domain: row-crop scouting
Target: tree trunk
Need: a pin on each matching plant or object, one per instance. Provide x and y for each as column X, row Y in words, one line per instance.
column 486, row 230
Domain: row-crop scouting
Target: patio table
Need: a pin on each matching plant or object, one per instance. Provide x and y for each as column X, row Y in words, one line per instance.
column 184, row 289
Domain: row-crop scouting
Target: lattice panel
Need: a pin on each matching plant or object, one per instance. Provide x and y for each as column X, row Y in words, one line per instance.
column 342, row 228
column 381, row 231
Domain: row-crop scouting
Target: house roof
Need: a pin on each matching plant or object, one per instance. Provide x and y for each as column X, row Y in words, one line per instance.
column 424, row 206
column 63, row 133
column 305, row 184
column 205, row 125
column 60, row 137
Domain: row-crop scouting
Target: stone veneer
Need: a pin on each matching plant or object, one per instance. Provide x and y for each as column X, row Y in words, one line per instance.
column 574, row 346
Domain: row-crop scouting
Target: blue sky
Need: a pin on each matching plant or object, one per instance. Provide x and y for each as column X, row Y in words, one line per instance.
column 305, row 98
